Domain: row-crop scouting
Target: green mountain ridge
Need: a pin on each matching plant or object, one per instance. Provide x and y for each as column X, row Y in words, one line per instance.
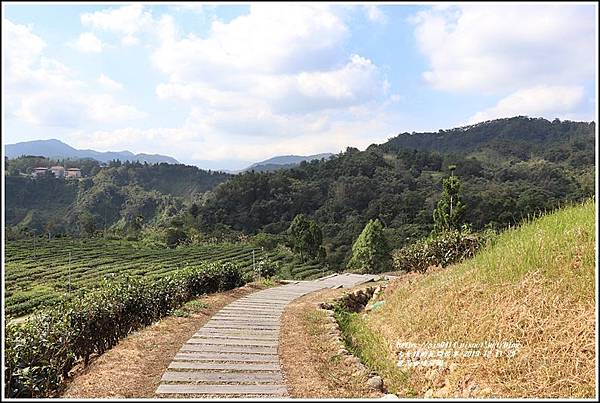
column 284, row 162
column 510, row 168
column 399, row 182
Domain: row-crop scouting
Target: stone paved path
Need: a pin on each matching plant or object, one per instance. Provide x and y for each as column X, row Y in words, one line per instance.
column 235, row 353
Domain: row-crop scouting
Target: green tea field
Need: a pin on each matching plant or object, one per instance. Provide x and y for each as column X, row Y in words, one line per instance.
column 39, row 276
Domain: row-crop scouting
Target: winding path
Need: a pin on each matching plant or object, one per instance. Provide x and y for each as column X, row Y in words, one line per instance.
column 235, row 353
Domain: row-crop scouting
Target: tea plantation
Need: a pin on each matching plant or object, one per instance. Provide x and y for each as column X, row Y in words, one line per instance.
column 42, row 275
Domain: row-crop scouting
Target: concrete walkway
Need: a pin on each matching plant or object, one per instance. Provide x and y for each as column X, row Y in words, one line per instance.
column 235, row 353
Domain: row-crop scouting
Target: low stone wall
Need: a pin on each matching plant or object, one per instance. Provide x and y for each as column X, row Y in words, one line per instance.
column 356, row 301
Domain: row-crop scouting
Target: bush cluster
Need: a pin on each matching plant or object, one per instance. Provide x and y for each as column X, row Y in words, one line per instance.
column 266, row 268
column 268, row 241
column 40, row 351
column 440, row 250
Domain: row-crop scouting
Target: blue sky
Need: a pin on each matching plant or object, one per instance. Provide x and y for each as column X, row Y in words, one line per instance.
column 222, row 86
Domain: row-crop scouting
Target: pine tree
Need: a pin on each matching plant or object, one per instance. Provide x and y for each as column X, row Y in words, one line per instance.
column 370, row 252
column 450, row 210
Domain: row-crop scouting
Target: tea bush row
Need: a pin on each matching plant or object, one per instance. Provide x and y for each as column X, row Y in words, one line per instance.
column 40, row 351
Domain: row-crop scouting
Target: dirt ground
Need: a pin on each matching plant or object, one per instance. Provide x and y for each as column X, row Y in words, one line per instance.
column 310, row 360
column 134, row 367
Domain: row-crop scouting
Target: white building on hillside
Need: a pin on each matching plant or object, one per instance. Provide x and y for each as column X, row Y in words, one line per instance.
column 39, row 171
column 73, row 173
column 58, row 171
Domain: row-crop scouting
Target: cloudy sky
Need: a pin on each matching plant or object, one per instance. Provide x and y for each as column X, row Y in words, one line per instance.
column 221, row 86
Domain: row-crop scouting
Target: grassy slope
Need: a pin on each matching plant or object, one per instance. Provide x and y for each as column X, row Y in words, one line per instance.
column 534, row 286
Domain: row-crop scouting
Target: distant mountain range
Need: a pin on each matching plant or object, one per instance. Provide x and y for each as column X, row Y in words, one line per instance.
column 57, row 149
column 284, row 162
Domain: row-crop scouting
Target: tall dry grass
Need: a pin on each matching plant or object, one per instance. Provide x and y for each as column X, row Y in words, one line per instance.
column 535, row 285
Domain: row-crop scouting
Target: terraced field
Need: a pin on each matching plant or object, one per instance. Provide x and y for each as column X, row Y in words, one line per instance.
column 56, row 268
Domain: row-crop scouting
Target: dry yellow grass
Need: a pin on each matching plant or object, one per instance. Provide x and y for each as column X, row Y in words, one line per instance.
column 534, row 286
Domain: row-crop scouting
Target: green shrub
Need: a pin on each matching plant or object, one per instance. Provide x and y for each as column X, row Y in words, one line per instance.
column 195, row 306
column 40, row 351
column 231, row 276
column 153, row 237
column 440, row 250
column 265, row 268
column 180, row 313
column 370, row 251
column 267, row 241
column 175, row 236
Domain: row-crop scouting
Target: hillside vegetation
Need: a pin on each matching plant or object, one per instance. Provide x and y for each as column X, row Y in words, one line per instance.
column 41, row 350
column 509, row 169
column 117, row 198
column 534, row 286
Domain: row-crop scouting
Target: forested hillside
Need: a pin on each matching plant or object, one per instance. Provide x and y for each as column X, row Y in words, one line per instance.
column 512, row 139
column 509, row 169
column 124, row 196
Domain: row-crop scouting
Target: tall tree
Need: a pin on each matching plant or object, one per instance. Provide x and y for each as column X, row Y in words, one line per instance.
column 194, row 210
column 450, row 209
column 306, row 236
column 315, row 239
column 371, row 252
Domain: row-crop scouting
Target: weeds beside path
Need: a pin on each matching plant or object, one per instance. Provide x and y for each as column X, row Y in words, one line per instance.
column 311, row 362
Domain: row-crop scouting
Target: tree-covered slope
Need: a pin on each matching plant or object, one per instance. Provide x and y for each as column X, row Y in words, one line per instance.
column 121, row 194
column 508, row 168
column 517, row 138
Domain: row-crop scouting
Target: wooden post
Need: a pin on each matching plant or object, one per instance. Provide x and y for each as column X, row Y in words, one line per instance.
column 254, row 264
column 69, row 273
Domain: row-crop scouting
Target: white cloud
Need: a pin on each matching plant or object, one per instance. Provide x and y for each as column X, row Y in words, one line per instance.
column 356, row 82
column 88, row 43
column 278, row 79
column 126, row 21
column 44, row 92
column 270, row 39
column 56, row 110
column 192, row 6
column 374, row 14
column 27, row 71
column 130, row 40
column 539, row 101
column 23, row 48
column 500, row 47
column 274, row 80
column 266, row 74
column 109, row 83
